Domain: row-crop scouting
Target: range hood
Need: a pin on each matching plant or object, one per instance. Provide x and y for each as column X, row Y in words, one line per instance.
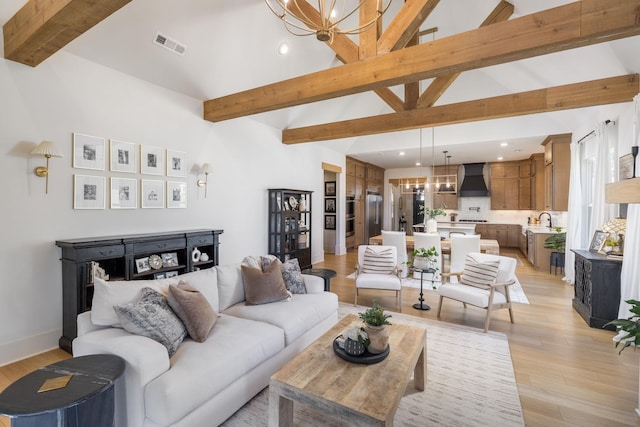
column 473, row 184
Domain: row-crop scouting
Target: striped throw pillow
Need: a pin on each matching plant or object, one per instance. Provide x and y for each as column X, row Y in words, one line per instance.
column 381, row 262
column 479, row 273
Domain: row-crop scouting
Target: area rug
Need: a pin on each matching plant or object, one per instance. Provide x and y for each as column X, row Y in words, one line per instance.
column 470, row 382
column 515, row 291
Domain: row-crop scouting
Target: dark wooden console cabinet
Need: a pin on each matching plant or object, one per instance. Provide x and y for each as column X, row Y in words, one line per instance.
column 597, row 288
column 117, row 256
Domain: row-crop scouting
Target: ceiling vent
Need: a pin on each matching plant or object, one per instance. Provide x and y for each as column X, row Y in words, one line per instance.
column 170, row 44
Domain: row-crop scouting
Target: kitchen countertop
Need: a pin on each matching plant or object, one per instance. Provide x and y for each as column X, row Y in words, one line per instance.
column 540, row 229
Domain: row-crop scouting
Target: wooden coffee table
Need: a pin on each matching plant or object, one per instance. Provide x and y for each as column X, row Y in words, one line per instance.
column 361, row 394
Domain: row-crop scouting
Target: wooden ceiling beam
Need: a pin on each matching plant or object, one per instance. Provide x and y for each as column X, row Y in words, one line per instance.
column 440, row 84
column 41, row 28
column 405, row 24
column 566, row 27
column 578, row 95
column 346, row 50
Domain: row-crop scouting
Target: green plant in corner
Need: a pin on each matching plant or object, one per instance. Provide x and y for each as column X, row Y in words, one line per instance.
column 432, row 213
column 375, row 316
column 557, row 241
column 630, row 326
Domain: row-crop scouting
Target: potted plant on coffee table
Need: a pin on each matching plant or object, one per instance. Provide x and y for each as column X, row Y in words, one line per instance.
column 375, row 320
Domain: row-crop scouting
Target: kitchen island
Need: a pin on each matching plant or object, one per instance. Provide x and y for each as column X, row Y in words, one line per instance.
column 445, row 228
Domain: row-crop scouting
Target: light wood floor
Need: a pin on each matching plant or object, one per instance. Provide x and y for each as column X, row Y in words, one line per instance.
column 567, row 373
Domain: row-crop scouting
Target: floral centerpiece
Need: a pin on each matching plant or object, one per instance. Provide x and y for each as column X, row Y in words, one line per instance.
column 431, row 225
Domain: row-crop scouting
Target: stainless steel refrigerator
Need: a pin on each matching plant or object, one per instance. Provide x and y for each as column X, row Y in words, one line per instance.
column 373, row 216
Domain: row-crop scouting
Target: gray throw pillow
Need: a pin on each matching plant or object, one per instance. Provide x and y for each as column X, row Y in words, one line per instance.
column 152, row 317
column 291, row 274
column 193, row 309
column 262, row 287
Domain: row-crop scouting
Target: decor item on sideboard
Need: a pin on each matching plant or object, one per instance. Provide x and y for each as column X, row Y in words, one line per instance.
column 598, row 240
column 301, row 19
column 47, row 149
column 375, row 320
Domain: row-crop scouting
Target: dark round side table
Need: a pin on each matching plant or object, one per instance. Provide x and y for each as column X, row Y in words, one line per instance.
column 86, row 400
column 421, row 305
column 325, row 273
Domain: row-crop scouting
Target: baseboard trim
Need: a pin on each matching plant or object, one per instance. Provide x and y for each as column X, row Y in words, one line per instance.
column 30, row 346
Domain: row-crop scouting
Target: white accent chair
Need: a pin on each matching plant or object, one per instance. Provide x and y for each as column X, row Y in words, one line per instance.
column 426, row 240
column 399, row 240
column 391, row 281
column 461, row 245
column 491, row 297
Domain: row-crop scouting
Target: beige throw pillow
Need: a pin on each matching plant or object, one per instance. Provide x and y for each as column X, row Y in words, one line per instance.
column 480, row 274
column 378, row 262
column 262, row 287
column 193, row 309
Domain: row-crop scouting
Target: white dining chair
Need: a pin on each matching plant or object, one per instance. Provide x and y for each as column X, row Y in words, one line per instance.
column 399, row 240
column 461, row 245
column 427, row 240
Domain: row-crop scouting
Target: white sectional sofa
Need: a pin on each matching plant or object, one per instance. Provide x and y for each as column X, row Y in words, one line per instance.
column 203, row 384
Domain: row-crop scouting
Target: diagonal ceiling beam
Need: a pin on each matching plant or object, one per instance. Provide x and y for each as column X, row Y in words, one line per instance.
column 41, row 28
column 566, row 27
column 346, row 50
column 405, row 24
column 440, row 84
column 587, row 94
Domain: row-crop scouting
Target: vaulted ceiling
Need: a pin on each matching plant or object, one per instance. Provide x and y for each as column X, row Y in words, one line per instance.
column 493, row 72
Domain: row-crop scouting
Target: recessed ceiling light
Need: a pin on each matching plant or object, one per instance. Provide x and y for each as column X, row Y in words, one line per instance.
column 283, row 49
column 401, row 153
column 417, row 163
column 504, row 144
column 500, row 158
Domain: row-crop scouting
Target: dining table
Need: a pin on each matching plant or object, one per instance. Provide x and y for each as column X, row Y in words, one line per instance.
column 488, row 246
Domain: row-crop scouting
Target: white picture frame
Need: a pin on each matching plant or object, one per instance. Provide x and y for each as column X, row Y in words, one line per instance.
column 88, row 192
column 151, row 160
column 124, row 193
column 176, row 164
column 88, row 152
column 176, row 194
column 123, row 156
column 152, row 194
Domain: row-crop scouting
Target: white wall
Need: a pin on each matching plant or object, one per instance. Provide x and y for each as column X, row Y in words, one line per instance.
column 67, row 94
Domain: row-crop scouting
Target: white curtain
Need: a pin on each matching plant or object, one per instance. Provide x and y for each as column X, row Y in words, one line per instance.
column 575, row 238
column 630, row 276
column 606, row 140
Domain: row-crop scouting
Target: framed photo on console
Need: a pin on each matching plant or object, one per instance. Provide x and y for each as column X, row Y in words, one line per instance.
column 598, row 240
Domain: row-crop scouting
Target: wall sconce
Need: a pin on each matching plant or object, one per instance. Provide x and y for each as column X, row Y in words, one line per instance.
column 206, row 170
column 47, row 149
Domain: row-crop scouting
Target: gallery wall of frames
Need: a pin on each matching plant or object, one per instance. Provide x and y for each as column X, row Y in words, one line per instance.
column 161, row 188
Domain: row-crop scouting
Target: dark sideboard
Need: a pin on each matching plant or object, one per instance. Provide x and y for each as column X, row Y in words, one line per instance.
column 117, row 256
column 597, row 288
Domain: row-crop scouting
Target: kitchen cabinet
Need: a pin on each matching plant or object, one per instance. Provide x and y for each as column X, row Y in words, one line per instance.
column 538, row 255
column 117, row 256
column 360, row 178
column 537, row 182
column 514, row 231
column 557, row 167
column 522, row 243
column 597, row 288
column 505, row 186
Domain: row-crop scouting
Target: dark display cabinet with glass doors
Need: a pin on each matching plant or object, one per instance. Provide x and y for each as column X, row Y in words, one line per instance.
column 290, row 225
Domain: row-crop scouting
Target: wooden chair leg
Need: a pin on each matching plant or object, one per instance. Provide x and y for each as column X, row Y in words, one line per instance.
column 355, row 303
column 440, row 305
column 489, row 306
column 399, row 296
column 508, row 297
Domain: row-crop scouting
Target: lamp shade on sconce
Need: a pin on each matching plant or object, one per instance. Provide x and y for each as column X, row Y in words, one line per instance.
column 47, row 149
column 205, row 169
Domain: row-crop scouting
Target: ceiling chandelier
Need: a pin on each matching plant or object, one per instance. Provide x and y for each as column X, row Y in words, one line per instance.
column 302, row 19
